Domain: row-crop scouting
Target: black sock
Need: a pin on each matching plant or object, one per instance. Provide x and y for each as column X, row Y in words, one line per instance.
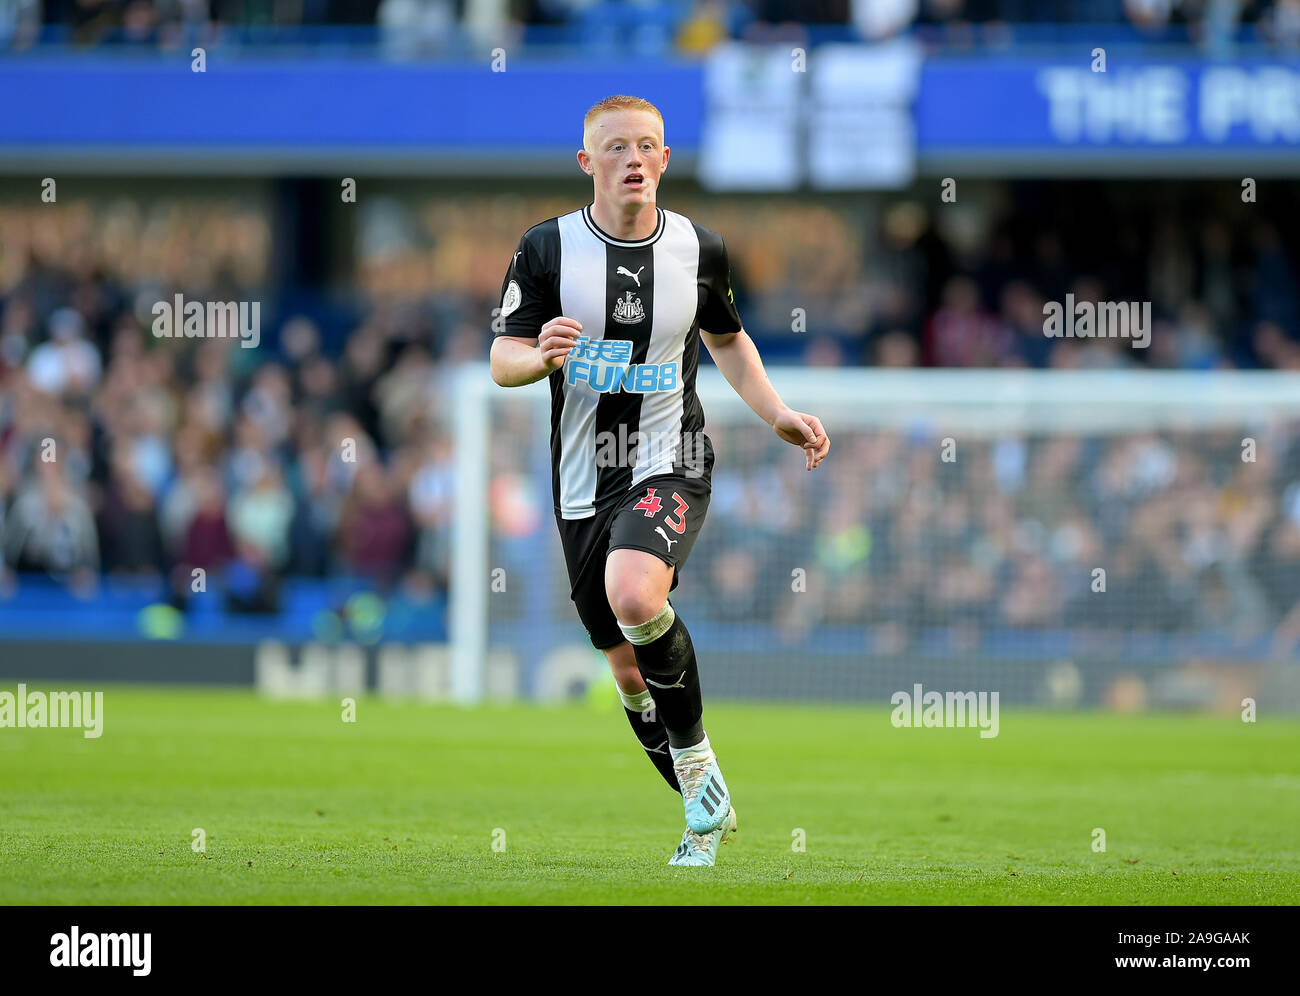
column 668, row 666
column 649, row 729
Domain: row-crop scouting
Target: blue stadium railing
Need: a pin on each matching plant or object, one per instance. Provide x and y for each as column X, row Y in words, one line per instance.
column 619, row 31
column 137, row 608
column 324, row 610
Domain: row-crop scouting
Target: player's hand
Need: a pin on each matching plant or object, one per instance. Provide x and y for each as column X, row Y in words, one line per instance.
column 806, row 431
column 556, row 339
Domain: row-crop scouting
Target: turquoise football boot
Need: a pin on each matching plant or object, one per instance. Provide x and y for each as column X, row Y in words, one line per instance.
column 704, row 793
column 701, row 849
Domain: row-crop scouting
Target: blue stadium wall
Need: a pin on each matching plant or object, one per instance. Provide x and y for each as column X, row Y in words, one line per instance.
column 1029, row 116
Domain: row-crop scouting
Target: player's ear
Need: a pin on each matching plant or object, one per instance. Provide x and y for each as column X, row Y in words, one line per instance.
column 584, row 162
column 667, row 152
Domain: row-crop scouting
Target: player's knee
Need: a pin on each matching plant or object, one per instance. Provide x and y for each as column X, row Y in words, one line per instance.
column 634, row 604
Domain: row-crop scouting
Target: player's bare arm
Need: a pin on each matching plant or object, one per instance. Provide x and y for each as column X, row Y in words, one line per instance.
column 737, row 357
column 517, row 361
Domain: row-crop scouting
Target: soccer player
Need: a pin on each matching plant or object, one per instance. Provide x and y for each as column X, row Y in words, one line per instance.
column 609, row 303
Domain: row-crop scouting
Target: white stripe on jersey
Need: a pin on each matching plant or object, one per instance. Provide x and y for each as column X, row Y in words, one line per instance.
column 581, row 256
column 676, row 266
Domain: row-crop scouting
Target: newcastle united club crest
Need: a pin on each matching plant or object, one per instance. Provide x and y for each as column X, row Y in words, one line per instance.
column 629, row 311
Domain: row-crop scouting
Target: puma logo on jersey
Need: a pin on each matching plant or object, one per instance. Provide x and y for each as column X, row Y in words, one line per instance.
column 628, row 273
column 670, row 542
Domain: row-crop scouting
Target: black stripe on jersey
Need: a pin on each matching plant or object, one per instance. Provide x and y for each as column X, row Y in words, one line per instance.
column 717, row 312
column 533, row 268
column 692, row 410
column 542, row 244
column 622, row 294
column 715, row 305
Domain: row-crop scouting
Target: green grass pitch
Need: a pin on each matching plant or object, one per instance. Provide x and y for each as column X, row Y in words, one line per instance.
column 404, row 805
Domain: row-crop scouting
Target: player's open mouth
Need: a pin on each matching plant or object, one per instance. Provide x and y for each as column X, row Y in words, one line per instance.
column 634, row 180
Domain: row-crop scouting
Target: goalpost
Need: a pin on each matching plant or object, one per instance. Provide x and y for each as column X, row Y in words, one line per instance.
column 1063, row 537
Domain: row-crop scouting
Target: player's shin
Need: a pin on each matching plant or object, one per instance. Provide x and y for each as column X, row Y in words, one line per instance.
column 666, row 659
column 649, row 730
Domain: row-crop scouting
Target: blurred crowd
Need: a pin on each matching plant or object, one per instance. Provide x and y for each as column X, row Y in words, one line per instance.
column 127, row 454
column 1219, row 275
column 122, row 453
column 161, row 461
column 1010, row 535
column 428, row 27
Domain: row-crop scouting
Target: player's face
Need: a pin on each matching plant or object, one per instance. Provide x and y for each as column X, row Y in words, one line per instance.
column 627, row 156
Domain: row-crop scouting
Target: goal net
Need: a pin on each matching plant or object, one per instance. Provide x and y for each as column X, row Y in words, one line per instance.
column 1069, row 538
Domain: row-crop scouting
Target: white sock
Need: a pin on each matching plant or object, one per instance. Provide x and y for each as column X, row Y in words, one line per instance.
column 636, row 701
column 650, row 630
column 701, row 748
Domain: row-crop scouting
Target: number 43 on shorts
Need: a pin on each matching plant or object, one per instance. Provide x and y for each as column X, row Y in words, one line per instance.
column 651, row 504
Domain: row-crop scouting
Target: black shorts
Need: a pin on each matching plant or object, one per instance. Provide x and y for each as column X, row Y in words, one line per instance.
column 662, row 515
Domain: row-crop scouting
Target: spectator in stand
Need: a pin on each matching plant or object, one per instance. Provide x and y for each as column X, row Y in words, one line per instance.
column 131, row 539
column 67, row 364
column 50, row 528
column 207, row 539
column 375, row 531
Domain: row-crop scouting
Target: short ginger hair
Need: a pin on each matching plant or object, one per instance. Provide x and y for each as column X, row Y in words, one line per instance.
column 620, row 102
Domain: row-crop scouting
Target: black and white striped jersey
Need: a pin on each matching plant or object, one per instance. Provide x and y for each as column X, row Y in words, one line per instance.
column 628, row 386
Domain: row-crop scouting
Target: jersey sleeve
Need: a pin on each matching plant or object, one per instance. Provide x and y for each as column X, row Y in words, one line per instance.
column 719, row 315
column 528, row 294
